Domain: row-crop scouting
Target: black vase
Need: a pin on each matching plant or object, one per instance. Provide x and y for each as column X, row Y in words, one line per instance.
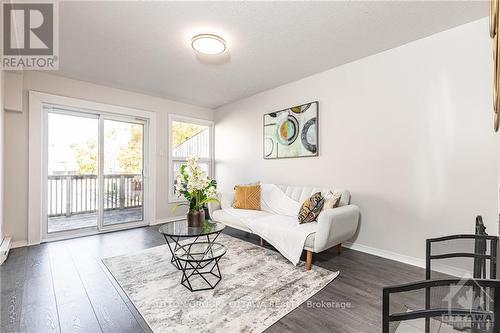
column 196, row 218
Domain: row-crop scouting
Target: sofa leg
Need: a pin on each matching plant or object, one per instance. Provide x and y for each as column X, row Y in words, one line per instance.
column 338, row 247
column 309, row 259
column 262, row 242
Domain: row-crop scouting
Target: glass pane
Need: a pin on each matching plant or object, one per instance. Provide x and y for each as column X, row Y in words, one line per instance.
column 190, row 140
column 72, row 172
column 123, row 169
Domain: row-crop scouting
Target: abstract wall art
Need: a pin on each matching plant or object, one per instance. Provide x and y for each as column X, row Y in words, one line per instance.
column 292, row 132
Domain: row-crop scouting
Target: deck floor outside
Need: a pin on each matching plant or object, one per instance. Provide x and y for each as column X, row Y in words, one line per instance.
column 78, row 221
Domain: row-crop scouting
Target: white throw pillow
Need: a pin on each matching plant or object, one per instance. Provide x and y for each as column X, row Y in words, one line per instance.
column 332, row 200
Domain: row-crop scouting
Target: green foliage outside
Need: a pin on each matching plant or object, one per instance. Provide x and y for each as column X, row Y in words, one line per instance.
column 129, row 156
column 181, row 132
column 86, row 157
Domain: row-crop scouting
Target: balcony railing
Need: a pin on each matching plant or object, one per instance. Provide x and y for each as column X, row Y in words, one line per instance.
column 77, row 194
column 196, row 145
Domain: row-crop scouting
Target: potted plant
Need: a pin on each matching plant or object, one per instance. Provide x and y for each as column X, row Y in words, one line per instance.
column 193, row 184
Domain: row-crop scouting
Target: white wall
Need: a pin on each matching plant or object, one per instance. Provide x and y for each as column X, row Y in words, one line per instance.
column 408, row 131
column 16, row 141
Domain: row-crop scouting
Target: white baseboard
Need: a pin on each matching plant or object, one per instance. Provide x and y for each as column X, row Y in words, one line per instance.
column 169, row 219
column 419, row 262
column 17, row 244
column 5, row 247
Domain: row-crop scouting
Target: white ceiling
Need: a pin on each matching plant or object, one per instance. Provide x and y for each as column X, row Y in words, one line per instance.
column 144, row 46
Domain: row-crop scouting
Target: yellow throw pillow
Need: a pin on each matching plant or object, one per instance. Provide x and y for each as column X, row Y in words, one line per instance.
column 247, row 197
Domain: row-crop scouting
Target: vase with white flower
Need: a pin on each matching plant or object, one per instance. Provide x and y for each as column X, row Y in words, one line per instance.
column 197, row 188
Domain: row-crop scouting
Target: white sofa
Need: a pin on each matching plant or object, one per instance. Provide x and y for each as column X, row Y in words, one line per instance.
column 334, row 225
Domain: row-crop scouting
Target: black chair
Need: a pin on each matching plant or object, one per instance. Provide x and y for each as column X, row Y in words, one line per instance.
column 484, row 319
column 482, row 249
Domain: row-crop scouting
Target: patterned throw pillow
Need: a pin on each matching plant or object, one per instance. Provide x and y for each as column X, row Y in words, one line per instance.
column 311, row 208
column 332, row 200
column 247, row 197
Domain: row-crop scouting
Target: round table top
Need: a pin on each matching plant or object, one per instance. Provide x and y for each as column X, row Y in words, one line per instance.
column 181, row 229
column 200, row 251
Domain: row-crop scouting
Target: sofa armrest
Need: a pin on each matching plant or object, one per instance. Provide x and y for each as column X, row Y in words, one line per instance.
column 225, row 200
column 213, row 206
column 335, row 226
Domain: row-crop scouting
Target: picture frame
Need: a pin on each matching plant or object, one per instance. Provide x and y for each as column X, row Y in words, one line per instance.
column 292, row 132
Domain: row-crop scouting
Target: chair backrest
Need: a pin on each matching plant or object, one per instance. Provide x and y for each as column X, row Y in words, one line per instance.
column 481, row 248
column 301, row 193
column 481, row 314
column 480, row 228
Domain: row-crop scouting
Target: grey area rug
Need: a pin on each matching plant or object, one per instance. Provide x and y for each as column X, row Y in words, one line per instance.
column 258, row 287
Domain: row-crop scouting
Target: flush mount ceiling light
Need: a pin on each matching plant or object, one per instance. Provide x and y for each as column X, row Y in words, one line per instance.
column 208, row 44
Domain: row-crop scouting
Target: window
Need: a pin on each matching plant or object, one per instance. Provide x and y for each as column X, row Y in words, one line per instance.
column 189, row 137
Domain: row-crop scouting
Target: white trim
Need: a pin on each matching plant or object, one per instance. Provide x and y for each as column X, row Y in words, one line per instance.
column 35, row 167
column 419, row 262
column 17, row 244
column 211, row 160
column 192, row 120
column 63, row 236
column 5, row 247
column 37, row 164
column 170, row 219
column 100, row 172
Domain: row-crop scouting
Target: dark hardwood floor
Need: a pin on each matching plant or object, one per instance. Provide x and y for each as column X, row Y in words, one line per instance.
column 63, row 287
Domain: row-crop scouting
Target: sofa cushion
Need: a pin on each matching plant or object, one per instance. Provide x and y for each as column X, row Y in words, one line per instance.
column 234, row 217
column 247, row 197
column 301, row 193
column 311, row 208
column 222, row 216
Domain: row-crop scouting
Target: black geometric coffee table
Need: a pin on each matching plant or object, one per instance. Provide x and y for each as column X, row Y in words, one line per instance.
column 199, row 263
column 175, row 231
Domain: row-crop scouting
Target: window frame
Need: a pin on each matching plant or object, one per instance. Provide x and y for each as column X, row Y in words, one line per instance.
column 172, row 198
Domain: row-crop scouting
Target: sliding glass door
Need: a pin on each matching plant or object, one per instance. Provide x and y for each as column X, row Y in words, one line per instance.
column 72, row 167
column 123, row 182
column 95, row 171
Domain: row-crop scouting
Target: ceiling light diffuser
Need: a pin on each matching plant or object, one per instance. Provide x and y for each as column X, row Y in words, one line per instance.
column 208, row 44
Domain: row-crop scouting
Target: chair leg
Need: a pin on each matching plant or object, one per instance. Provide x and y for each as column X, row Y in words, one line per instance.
column 338, row 247
column 309, row 259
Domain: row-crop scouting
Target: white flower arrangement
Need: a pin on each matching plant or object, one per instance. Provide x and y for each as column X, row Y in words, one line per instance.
column 194, row 185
